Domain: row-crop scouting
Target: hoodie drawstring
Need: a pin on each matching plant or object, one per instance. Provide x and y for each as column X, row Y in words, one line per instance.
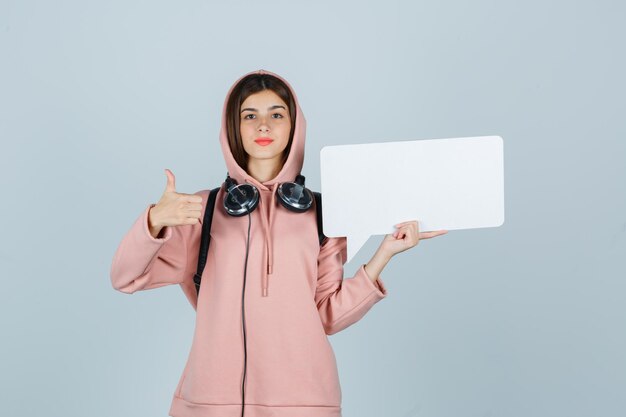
column 269, row 259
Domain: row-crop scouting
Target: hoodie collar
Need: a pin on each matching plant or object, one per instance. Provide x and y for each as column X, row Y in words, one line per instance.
column 289, row 171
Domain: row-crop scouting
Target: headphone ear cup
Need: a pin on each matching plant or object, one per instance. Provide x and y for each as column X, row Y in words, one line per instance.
column 295, row 197
column 241, row 199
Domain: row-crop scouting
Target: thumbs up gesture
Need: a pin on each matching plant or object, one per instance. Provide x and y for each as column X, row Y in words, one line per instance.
column 174, row 209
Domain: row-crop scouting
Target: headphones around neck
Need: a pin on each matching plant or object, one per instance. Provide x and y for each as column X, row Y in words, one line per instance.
column 243, row 198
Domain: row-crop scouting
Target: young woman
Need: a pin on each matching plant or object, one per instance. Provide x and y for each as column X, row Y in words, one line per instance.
column 270, row 293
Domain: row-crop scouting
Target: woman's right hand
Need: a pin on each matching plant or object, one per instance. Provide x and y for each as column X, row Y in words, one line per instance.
column 174, row 209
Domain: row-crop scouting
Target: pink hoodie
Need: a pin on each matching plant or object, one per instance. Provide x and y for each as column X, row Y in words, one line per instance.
column 295, row 297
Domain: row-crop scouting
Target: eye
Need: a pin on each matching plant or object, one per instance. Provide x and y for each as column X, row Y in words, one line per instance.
column 275, row 114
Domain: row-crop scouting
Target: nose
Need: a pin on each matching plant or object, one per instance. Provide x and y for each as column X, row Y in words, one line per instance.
column 263, row 126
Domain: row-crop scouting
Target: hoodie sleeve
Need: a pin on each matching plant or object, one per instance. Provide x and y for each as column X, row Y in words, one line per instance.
column 143, row 262
column 343, row 302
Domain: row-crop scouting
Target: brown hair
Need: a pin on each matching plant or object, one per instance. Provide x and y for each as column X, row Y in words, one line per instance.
column 247, row 86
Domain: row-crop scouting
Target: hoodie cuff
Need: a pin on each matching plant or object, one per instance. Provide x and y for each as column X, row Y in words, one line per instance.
column 168, row 230
column 378, row 286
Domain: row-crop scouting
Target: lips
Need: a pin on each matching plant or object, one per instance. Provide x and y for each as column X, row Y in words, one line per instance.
column 263, row 141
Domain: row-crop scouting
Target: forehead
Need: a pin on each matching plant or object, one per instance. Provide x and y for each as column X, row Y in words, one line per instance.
column 263, row 99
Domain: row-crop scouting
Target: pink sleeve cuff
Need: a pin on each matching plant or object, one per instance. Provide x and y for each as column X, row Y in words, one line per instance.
column 378, row 285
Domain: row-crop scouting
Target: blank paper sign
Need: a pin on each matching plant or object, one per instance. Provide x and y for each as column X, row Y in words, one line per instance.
column 455, row 183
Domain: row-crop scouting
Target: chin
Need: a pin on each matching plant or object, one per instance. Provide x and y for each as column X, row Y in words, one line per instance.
column 262, row 157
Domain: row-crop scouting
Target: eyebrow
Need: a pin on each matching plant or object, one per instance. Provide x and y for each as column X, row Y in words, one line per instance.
column 275, row 106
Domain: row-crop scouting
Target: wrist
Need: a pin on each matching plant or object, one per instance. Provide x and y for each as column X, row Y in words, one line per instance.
column 153, row 218
column 154, row 227
column 383, row 254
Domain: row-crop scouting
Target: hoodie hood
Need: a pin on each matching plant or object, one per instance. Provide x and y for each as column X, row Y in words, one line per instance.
column 288, row 173
column 293, row 164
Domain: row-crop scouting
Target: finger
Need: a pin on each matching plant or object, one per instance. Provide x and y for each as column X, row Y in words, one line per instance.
column 404, row 232
column 171, row 181
column 193, row 207
column 412, row 234
column 401, row 230
column 191, row 198
column 428, row 235
column 192, row 220
column 194, row 213
column 405, row 223
column 412, row 225
column 405, row 226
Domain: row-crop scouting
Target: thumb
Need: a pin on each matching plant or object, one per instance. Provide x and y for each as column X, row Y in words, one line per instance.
column 171, row 181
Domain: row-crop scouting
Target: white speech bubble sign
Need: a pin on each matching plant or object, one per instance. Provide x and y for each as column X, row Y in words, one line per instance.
column 451, row 184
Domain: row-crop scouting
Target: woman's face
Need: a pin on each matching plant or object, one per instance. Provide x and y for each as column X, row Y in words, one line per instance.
column 264, row 115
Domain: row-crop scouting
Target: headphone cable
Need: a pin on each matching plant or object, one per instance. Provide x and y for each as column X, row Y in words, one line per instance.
column 243, row 316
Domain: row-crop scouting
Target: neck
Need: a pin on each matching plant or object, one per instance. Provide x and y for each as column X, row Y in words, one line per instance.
column 264, row 169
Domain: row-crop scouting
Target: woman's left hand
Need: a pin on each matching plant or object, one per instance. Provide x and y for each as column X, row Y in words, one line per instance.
column 406, row 237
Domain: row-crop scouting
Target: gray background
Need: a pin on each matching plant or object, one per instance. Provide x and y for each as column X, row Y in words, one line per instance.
column 97, row 98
